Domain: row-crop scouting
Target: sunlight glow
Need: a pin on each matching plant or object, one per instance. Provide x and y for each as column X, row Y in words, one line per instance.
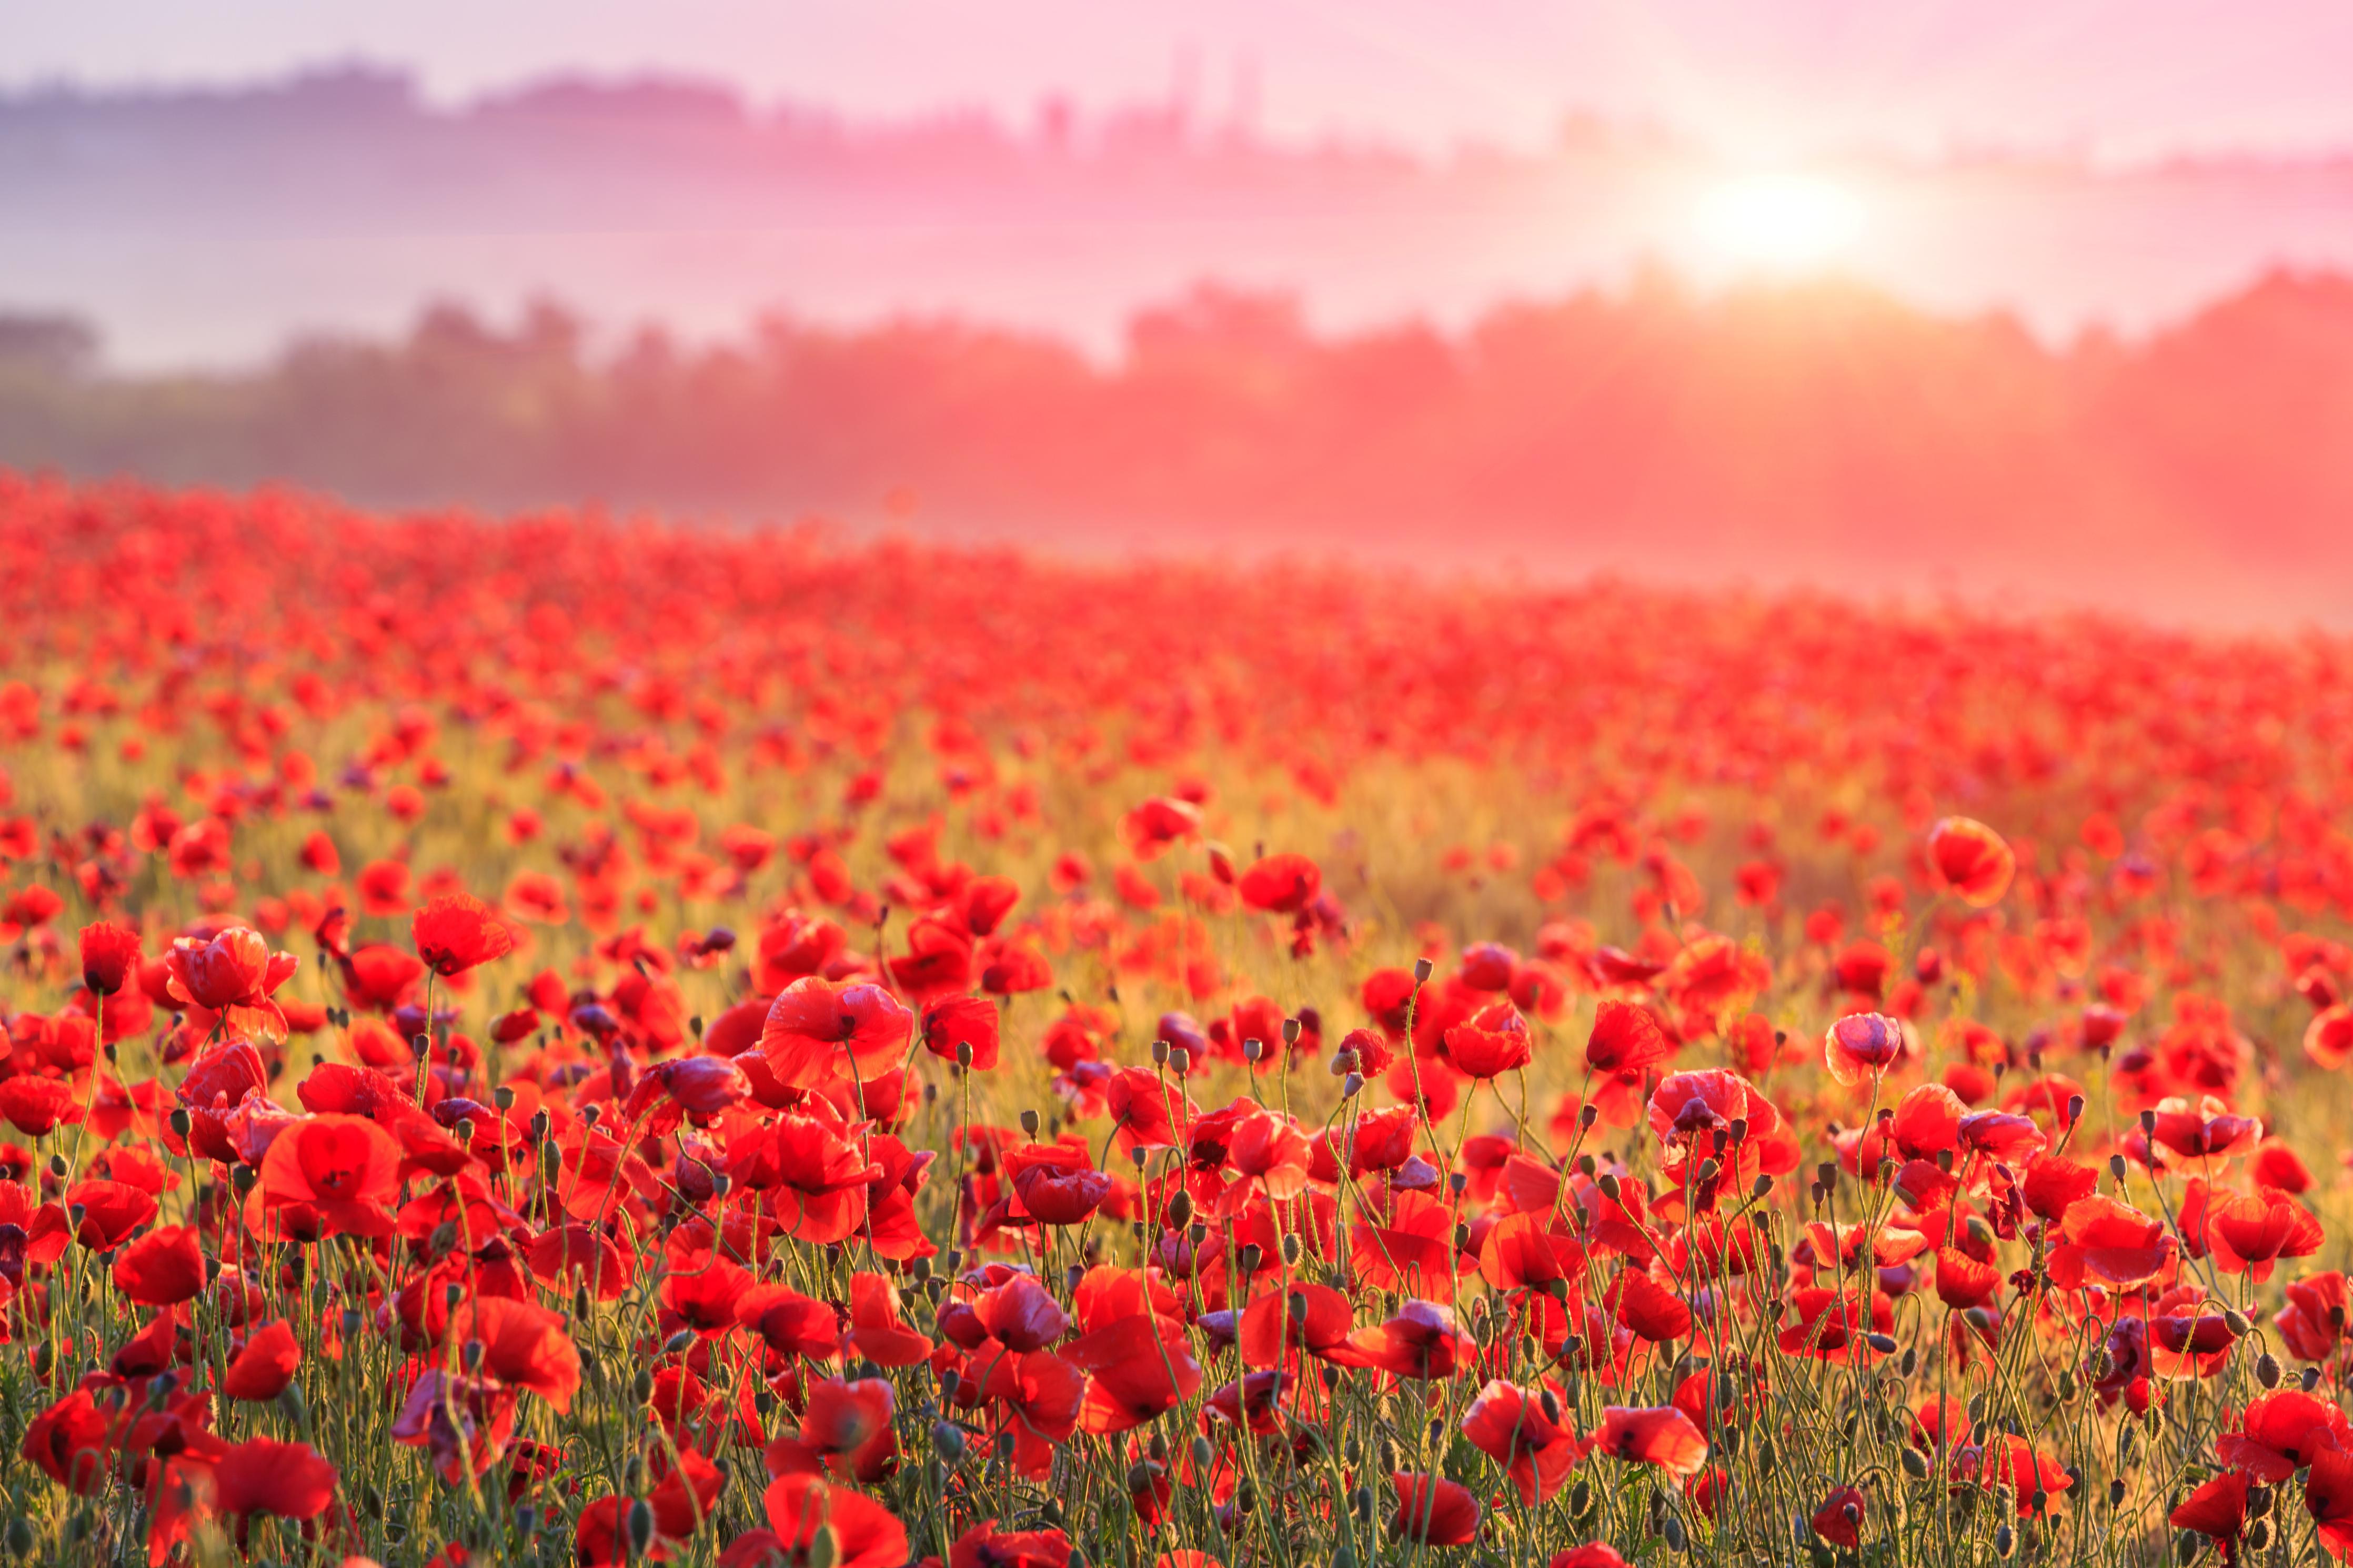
column 1780, row 222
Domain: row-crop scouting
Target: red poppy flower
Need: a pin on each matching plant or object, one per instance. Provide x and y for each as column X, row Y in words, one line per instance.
column 161, row 1268
column 2280, row 1433
column 2104, row 1242
column 1510, row 1425
column 71, row 1442
column 2312, row 1324
column 1281, row 884
column 876, row 1327
column 346, row 1167
column 1626, row 1038
column 1860, row 1046
column 110, row 957
column 2216, row 1511
column 263, row 1475
column 234, row 975
column 1420, row 1341
column 1839, row 1519
column 2249, row 1234
column 1592, row 1555
column 845, row 1432
column 865, row 1534
column 959, row 1022
column 265, row 1366
column 1492, row 1042
column 1661, row 1436
column 36, row 1106
column 525, row 1345
column 2328, row 1498
column 1058, row 1183
column 457, row 931
column 821, row 1179
column 817, row 1030
column 986, row 1546
column 1434, row 1509
column 1141, row 1369
column 1970, row 860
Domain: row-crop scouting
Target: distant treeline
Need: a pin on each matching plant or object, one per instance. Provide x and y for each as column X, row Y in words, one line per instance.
column 1791, row 429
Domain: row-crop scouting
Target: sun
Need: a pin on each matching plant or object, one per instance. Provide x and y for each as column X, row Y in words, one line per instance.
column 1780, row 222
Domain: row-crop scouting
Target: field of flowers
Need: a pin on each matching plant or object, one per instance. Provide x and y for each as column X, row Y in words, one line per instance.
column 558, row 1040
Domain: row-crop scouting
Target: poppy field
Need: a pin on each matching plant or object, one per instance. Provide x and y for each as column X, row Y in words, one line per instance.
column 556, row 1039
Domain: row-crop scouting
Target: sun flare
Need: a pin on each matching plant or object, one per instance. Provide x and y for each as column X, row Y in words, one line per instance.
column 1780, row 221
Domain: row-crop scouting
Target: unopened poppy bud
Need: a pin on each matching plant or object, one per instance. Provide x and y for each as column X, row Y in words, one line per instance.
column 289, row 1400
column 1827, row 1174
column 1707, row 1170
column 472, row 1354
column 1609, row 1186
column 1916, row 1463
column 2259, row 1500
column 2149, row 1123
column 2235, row 1321
column 1586, row 1116
column 947, row 1442
column 1253, row 1049
column 1030, row 1123
column 2309, row 1379
column 1291, row 1031
column 1551, row 1403
column 1350, row 1085
column 581, row 1305
column 1250, row 1257
column 1180, row 1060
column 1291, row 1247
column 1676, row 1538
column 825, row 1547
column 1180, row 1208
column 1364, row 1501
column 1159, row 1053
column 1761, row 1188
column 2005, row 1541
column 1197, row 1232
column 643, row 1383
column 1883, row 1343
column 2116, row 1166
column 421, row 1046
column 550, row 1161
column 372, row 1501
column 2259, row 1536
column 181, row 1121
column 1421, row 971
column 676, row 1345
column 1342, row 1064
column 2267, row 1370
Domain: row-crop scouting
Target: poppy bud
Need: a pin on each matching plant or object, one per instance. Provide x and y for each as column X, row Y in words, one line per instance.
column 2267, row 1370
column 1252, row 1051
column 289, row 1400
column 1159, row 1053
column 643, row 1383
column 1030, row 1123
column 1249, row 1257
column 2309, row 1379
column 1180, row 1060
column 2005, row 1541
column 1707, row 1170
column 372, row 1501
column 1291, row 1031
column 1916, row 1463
column 2116, row 1166
column 503, row 1097
column 1180, row 1208
column 1363, row 1498
column 1586, row 1116
column 1609, row 1186
column 1291, row 1247
column 1350, row 1085
column 2259, row 1536
column 1760, row 1188
column 180, row 1122
column 1421, row 971
column 2259, row 1502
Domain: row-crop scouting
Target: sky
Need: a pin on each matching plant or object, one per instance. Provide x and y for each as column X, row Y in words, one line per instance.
column 1768, row 80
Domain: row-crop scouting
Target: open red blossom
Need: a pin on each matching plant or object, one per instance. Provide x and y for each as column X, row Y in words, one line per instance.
column 234, row 974
column 816, row 1030
column 864, row 1534
column 1861, row 1046
column 71, row 1442
column 1970, row 860
column 1281, row 884
column 1626, row 1038
column 2312, row 1324
column 161, row 1268
column 346, row 1167
column 962, row 1021
column 1592, row 1555
column 525, row 1345
column 845, row 1432
column 986, row 1546
column 1660, row 1434
column 457, row 931
column 1839, row 1519
column 2280, row 1433
column 264, row 1476
column 1434, row 1509
column 2249, row 1233
column 1492, row 1042
column 1511, row 1426
column 876, row 1327
column 2105, row 1242
column 264, row 1365
column 2328, row 1498
column 1057, row 1182
column 1420, row 1341
column 2218, row 1511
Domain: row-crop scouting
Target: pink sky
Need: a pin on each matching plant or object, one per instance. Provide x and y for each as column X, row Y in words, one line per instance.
column 2119, row 78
